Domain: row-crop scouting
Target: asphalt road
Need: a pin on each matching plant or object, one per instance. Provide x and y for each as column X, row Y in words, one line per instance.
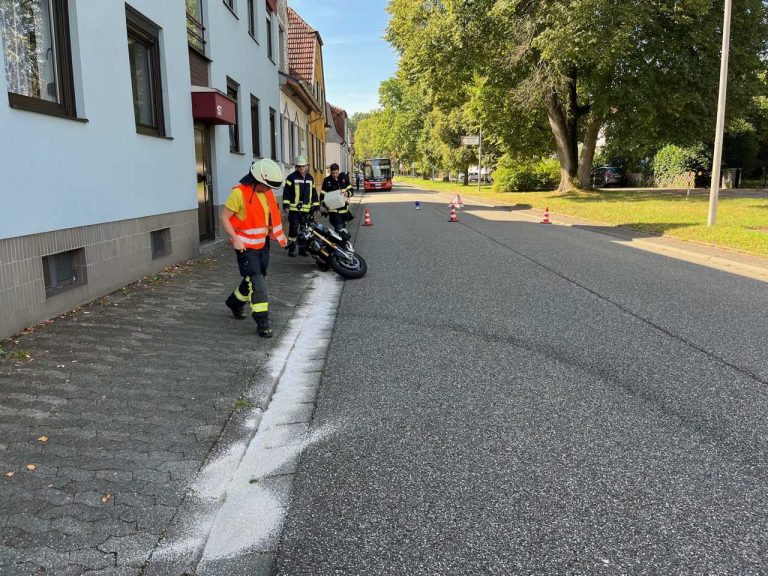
column 505, row 397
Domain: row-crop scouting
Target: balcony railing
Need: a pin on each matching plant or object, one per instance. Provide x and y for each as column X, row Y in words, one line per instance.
column 195, row 33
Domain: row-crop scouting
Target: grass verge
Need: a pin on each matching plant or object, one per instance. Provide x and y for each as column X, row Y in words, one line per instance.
column 742, row 223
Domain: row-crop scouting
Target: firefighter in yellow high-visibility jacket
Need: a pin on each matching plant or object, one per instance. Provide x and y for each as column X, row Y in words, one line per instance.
column 251, row 217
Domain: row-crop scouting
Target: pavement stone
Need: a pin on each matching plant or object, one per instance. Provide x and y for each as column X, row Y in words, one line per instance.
column 133, row 392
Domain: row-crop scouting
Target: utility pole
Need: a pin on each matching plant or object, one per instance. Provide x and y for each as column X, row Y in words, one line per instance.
column 717, row 160
column 480, row 161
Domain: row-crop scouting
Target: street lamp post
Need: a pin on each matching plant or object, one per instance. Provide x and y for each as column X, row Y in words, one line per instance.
column 717, row 161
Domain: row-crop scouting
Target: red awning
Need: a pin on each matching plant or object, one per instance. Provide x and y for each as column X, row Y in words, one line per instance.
column 212, row 107
column 272, row 5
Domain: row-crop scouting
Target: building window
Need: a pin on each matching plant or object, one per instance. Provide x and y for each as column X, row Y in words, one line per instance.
column 283, row 139
column 251, row 19
column 292, row 131
column 64, row 271
column 233, row 90
column 38, row 59
column 161, row 243
column 144, row 57
column 314, row 153
column 255, row 126
column 195, row 27
column 269, row 38
column 273, row 134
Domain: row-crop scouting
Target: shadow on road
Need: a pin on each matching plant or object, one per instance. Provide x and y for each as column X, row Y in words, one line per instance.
column 635, row 229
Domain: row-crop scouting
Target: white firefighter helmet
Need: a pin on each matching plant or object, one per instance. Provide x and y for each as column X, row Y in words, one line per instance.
column 267, row 172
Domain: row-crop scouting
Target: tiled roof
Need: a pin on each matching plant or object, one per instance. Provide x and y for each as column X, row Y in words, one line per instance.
column 301, row 47
column 338, row 119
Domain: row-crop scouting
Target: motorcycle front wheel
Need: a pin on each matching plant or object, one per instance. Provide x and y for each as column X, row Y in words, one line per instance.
column 349, row 267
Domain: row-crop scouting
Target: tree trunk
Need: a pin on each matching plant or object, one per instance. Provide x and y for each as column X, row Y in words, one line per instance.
column 594, row 123
column 564, row 119
column 567, row 146
column 466, row 177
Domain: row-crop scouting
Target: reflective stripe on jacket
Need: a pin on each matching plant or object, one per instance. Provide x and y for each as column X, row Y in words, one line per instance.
column 298, row 190
column 252, row 231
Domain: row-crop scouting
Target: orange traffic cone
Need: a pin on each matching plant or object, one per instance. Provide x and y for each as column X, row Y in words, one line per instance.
column 367, row 218
column 454, row 215
column 546, row 216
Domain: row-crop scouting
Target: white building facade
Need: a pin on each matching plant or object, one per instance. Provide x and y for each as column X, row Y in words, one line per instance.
column 294, row 110
column 339, row 146
column 115, row 153
column 234, row 53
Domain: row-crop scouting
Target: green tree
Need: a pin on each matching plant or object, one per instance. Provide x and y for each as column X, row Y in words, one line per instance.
column 641, row 68
column 371, row 136
column 741, row 146
column 356, row 118
column 406, row 110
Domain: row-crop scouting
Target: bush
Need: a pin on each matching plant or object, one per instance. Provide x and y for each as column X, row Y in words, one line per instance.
column 513, row 175
column 672, row 162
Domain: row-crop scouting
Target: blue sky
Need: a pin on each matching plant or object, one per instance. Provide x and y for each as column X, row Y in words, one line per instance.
column 355, row 54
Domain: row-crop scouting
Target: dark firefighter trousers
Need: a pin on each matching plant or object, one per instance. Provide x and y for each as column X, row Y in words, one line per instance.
column 253, row 289
column 294, row 221
column 339, row 223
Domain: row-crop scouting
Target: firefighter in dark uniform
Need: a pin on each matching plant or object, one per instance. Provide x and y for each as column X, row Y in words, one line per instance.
column 299, row 198
column 339, row 217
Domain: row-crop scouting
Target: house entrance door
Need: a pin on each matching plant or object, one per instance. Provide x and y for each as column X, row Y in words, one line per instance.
column 205, row 207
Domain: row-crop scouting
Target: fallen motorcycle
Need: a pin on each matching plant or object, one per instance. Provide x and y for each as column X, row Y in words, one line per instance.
column 329, row 249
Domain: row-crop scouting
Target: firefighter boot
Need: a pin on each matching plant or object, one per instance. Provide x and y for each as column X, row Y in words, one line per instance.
column 236, row 306
column 263, row 328
column 291, row 248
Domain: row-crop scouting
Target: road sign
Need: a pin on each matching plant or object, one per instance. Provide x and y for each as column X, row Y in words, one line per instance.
column 470, row 140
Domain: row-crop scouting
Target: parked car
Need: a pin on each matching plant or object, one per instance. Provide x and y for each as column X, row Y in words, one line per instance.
column 605, row 176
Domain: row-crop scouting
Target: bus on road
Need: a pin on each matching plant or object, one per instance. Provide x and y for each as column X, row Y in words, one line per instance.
column 377, row 174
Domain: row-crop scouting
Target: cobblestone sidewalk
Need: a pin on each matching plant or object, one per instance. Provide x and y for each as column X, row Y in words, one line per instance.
column 106, row 414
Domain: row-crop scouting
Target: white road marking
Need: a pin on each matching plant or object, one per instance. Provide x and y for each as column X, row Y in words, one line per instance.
column 241, row 505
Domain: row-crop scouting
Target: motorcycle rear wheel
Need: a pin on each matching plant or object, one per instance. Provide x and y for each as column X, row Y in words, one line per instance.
column 350, row 269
